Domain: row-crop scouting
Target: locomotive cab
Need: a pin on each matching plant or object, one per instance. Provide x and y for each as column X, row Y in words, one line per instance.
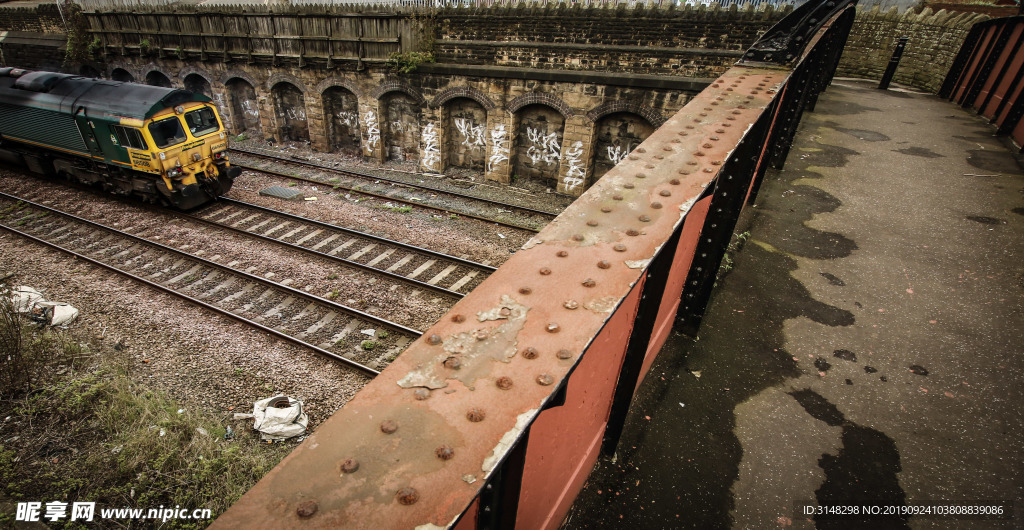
column 161, row 144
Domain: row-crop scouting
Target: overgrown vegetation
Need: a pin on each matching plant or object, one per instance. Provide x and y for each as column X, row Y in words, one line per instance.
column 408, row 62
column 77, row 427
column 80, row 48
column 425, row 26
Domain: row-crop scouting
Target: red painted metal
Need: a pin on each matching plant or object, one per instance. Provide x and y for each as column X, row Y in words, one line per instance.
column 1006, row 55
column 539, row 301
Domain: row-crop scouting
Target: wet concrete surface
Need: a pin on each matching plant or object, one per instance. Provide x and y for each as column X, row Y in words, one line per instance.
column 867, row 346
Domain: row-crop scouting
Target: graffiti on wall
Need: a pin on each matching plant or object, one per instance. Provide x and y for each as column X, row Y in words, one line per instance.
column 576, row 173
column 349, row 119
column 543, row 147
column 372, row 131
column 431, row 152
column 616, row 153
column 472, row 135
column 499, row 148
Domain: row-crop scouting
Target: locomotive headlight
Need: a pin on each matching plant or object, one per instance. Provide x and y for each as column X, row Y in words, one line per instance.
column 174, row 172
column 221, row 155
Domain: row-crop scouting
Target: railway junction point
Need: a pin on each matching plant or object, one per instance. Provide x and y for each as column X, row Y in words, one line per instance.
column 865, row 346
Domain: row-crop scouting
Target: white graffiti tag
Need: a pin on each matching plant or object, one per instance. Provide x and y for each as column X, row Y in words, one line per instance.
column 431, row 153
column 396, row 127
column 372, row 131
column 545, row 147
column 472, row 136
column 250, row 110
column 618, row 153
column 577, row 172
column 348, row 119
column 499, row 148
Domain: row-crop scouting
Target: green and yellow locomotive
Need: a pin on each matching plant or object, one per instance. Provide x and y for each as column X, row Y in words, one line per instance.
column 160, row 144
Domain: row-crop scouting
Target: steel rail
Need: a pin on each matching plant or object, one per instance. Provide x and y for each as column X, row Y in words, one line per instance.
column 352, row 312
column 324, row 255
column 200, row 303
column 413, row 248
column 360, row 174
column 388, row 197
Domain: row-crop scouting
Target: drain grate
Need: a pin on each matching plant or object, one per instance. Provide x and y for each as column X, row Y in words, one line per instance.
column 280, row 192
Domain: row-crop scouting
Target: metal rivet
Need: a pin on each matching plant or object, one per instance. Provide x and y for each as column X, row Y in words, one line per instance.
column 707, row 146
column 591, row 223
column 444, row 452
column 553, row 328
column 564, row 354
column 388, row 426
column 407, row 496
column 703, row 113
column 434, row 339
column 715, row 85
column 729, row 89
column 458, row 318
column 628, row 185
column 475, row 415
column 684, row 172
column 641, row 150
column 641, row 176
column 350, row 465
column 714, row 138
column 648, row 166
column 306, row 509
column 530, row 353
column 452, row 363
column 656, row 205
column 660, row 157
column 708, row 170
column 665, row 193
column 689, row 126
column 571, row 304
column 726, row 125
column 675, row 141
column 674, row 182
column 632, row 232
column 634, row 157
column 716, row 162
column 562, row 254
column 619, row 247
column 480, row 334
column 504, row 382
column 644, row 218
column 544, row 271
column 525, row 290
column 604, row 264
column 606, row 209
column 706, row 108
column 730, row 118
column 577, row 237
column 736, row 112
column 589, row 282
column 617, row 197
column 421, row 394
column 750, row 97
column 505, row 312
column 720, row 131
column 715, row 102
column 545, row 379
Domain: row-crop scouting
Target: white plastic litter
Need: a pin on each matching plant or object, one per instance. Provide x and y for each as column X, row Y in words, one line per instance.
column 279, row 418
column 31, row 302
column 24, row 297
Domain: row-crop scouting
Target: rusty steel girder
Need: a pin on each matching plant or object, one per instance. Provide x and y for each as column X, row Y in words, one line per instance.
column 416, row 444
column 415, row 447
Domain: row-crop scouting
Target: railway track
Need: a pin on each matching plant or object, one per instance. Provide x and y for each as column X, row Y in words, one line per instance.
column 419, row 267
column 438, row 199
column 327, row 327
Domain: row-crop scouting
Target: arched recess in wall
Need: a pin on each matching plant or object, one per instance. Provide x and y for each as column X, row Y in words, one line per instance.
column 619, row 127
column 158, row 78
column 341, row 110
column 196, row 80
column 243, row 106
column 120, row 74
column 290, row 109
column 465, row 121
column 538, row 140
column 400, row 114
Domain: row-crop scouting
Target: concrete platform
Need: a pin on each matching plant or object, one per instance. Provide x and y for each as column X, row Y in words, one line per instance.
column 867, row 345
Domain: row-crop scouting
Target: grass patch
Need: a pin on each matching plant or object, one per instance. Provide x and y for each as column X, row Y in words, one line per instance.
column 79, row 428
column 368, row 345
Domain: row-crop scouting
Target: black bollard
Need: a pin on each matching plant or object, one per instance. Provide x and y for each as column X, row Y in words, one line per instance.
column 894, row 61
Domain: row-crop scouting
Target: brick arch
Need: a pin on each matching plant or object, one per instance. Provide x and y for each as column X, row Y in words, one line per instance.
column 539, row 98
column 623, row 105
column 449, row 94
column 123, row 66
column 145, row 70
column 278, row 78
column 231, row 74
column 394, row 85
column 189, row 70
column 337, row 81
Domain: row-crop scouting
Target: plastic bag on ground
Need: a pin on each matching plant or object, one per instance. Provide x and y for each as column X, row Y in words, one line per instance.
column 24, row 297
column 279, row 418
column 54, row 313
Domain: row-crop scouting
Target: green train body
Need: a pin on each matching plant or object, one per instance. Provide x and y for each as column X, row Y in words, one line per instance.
column 160, row 144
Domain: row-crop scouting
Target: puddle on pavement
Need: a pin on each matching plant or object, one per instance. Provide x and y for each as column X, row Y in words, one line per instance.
column 918, row 151
column 993, row 160
column 985, row 220
column 860, row 134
